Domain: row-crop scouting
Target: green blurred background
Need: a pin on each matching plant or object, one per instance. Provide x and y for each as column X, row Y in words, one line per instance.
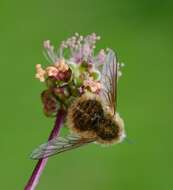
column 141, row 32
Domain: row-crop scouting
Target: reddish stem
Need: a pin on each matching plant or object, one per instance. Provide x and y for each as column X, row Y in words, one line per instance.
column 34, row 179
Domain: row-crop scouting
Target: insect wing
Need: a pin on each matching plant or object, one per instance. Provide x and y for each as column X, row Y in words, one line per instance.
column 58, row 145
column 109, row 81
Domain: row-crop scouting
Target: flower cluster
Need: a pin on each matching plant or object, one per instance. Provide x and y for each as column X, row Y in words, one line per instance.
column 59, row 70
column 74, row 69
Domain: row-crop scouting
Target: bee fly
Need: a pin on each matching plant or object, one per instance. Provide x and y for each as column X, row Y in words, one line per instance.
column 91, row 118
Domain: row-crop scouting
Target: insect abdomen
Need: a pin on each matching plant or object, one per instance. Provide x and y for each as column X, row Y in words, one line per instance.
column 108, row 131
column 111, row 130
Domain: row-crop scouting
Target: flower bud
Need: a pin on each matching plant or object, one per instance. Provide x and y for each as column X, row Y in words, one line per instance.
column 50, row 105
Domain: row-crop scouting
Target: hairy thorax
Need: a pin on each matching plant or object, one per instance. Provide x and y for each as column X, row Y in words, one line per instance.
column 84, row 115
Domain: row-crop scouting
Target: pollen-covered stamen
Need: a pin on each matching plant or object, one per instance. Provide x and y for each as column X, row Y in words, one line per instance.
column 61, row 65
column 40, row 73
column 59, row 70
column 52, row 71
column 81, row 48
column 50, row 51
column 64, row 72
column 46, row 44
column 93, row 85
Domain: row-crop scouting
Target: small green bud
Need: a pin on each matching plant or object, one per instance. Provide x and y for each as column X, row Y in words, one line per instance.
column 96, row 75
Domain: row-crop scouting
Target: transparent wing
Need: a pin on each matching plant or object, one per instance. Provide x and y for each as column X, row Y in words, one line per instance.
column 109, row 81
column 58, row 145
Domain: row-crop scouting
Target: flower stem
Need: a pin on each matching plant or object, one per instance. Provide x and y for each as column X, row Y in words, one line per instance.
column 34, row 179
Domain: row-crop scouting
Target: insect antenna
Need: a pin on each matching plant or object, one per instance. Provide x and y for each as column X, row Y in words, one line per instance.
column 129, row 141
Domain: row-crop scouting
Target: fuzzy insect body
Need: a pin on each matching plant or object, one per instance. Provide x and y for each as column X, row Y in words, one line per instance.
column 89, row 118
